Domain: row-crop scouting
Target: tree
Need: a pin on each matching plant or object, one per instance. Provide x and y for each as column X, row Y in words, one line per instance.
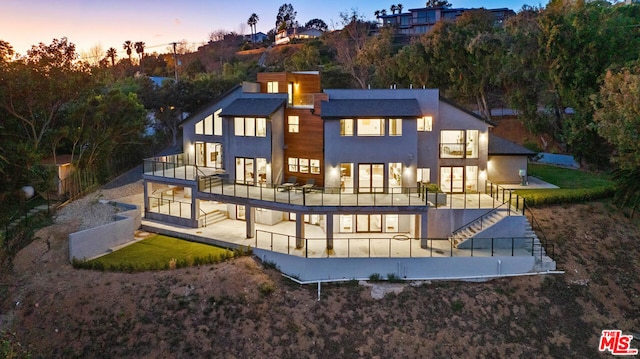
column 286, row 17
column 377, row 14
column 139, row 46
column 6, row 51
column 128, row 46
column 316, row 24
column 393, row 9
column 112, row 54
column 438, row 3
column 36, row 88
column 399, row 7
column 253, row 20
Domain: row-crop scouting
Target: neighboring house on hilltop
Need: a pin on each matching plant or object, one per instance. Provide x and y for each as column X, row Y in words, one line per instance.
column 285, row 36
column 322, row 171
column 420, row 21
column 259, row 37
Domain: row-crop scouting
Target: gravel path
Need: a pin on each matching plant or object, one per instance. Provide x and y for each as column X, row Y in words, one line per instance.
column 91, row 212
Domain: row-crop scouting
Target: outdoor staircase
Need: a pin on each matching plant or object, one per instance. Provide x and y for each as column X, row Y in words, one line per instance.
column 214, row 217
column 474, row 227
column 543, row 261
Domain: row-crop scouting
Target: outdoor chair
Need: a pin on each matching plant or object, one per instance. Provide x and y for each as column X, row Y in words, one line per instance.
column 291, row 182
column 307, row 187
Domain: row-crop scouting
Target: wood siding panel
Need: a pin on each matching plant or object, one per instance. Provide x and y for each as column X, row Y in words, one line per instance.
column 308, row 143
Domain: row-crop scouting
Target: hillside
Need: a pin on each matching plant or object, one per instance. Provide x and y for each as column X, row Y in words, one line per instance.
column 241, row 309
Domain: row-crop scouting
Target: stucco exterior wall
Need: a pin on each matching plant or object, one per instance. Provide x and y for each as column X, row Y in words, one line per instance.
column 505, row 169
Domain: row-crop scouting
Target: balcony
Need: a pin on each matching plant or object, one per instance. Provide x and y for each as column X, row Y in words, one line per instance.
column 302, row 101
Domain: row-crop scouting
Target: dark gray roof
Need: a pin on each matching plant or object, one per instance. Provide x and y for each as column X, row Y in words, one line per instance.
column 253, row 107
column 371, row 108
column 498, row 146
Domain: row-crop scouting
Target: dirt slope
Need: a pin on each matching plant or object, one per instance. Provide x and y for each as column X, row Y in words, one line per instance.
column 239, row 309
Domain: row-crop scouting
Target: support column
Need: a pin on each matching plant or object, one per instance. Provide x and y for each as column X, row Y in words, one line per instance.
column 146, row 197
column 249, row 215
column 299, row 230
column 329, row 230
column 424, row 233
column 195, row 207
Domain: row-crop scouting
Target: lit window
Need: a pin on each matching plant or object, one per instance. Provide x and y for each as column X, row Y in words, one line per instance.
column 217, row 123
column 472, row 144
column 452, row 144
column 395, row 127
column 208, row 125
column 272, row 87
column 424, row 175
column 293, row 164
column 294, row 124
column 261, row 127
column 304, row 165
column 315, row 167
column 200, row 128
column 425, row 123
column 346, row 127
column 239, row 126
column 371, row 127
column 249, row 126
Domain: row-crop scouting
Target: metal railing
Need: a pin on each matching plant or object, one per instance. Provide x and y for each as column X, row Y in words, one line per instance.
column 169, row 206
column 398, row 246
column 173, row 166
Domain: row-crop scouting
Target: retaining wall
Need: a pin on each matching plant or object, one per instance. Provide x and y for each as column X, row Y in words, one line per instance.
column 94, row 242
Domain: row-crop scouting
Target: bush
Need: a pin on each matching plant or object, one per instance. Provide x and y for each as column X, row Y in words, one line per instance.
column 375, row 277
column 393, row 278
column 564, row 196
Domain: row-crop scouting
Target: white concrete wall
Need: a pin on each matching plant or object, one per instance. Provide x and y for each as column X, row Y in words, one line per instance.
column 504, row 169
column 508, row 232
column 97, row 241
column 320, row 269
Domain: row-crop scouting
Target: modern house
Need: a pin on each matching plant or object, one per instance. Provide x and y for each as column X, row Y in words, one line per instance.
column 285, row 36
column 421, row 20
column 340, row 165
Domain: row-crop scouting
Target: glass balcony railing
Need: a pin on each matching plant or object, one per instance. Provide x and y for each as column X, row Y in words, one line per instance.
column 302, row 100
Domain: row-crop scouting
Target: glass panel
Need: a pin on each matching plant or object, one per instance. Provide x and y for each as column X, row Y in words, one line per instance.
column 391, row 222
column 471, row 178
column 377, row 179
column 294, row 122
column 214, row 158
column 315, row 167
column 304, row 165
column 451, row 144
column 261, row 127
column 290, row 93
column 375, row 223
column 241, row 213
column 248, row 171
column 370, row 127
column 364, row 178
column 293, row 164
column 425, row 123
column 217, row 123
column 208, row 125
column 239, row 170
column 238, row 126
column 346, row 177
column 261, row 169
column 395, row 127
column 472, row 144
column 200, row 128
column 346, row 127
column 272, row 87
column 346, row 223
column 457, row 184
column 395, row 175
column 200, row 156
column 362, row 223
column 424, row 175
column 249, row 126
column 445, row 179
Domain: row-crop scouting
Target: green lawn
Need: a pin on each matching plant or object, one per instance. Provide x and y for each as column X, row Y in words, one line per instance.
column 575, row 186
column 158, row 252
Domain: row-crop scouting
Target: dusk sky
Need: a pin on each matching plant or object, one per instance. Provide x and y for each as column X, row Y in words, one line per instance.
column 88, row 23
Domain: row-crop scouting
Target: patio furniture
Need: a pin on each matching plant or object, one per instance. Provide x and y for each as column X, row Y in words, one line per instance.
column 291, row 182
column 307, row 187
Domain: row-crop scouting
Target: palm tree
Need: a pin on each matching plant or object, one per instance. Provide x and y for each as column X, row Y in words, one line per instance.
column 112, row 54
column 377, row 14
column 128, row 45
column 399, row 7
column 393, row 9
column 139, row 46
column 253, row 20
column 383, row 12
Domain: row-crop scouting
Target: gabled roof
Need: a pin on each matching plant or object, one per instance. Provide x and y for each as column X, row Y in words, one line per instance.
column 451, row 103
column 498, row 146
column 263, row 107
column 206, row 107
column 371, row 108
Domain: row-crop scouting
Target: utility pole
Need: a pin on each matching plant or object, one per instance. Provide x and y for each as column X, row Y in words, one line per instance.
column 175, row 60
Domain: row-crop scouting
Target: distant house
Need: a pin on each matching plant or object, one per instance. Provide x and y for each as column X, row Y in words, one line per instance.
column 257, row 37
column 285, row 36
column 422, row 20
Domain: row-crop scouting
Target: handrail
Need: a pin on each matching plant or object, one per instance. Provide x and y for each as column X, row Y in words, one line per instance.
column 204, row 217
column 473, row 221
column 538, row 228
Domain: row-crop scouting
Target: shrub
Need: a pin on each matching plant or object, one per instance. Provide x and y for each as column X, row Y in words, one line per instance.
column 393, row 278
column 375, row 277
column 266, row 288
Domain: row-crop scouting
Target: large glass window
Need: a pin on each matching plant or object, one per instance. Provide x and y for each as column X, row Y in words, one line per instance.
column 244, row 170
column 200, row 128
column 261, row 127
column 304, row 165
column 315, row 167
column 217, row 123
column 208, row 125
column 272, row 87
column 249, row 126
column 395, row 127
column 238, row 125
column 371, row 127
column 425, row 123
column 346, row 127
column 472, row 144
column 294, row 124
column 452, row 144
column 471, row 178
column 452, row 179
column 424, row 175
column 395, row 175
column 370, row 177
column 293, row 164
